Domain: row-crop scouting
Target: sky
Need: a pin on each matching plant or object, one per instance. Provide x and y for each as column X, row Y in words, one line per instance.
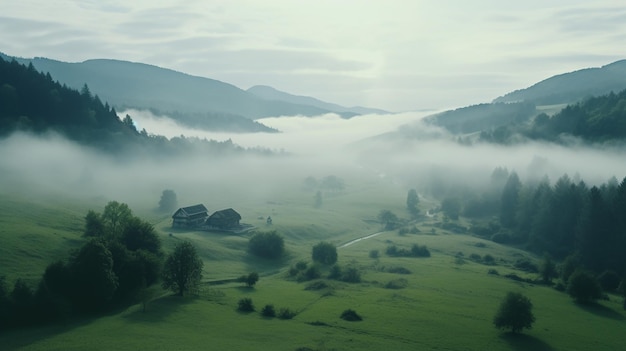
column 398, row 55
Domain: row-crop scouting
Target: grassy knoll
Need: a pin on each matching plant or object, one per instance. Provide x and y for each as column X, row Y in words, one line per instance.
column 447, row 301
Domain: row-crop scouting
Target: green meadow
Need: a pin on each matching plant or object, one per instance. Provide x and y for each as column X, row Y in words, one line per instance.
column 445, row 302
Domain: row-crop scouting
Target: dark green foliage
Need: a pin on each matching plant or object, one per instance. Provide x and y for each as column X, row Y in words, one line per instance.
column 168, row 201
column 373, row 254
column 182, row 271
column 22, row 307
column 94, row 278
column 388, row 219
column 412, row 200
column 324, row 253
column 140, row 235
column 515, row 313
column 249, row 279
column 350, row 316
column 268, row 311
column 286, row 313
column 584, row 287
column 245, row 305
column 547, row 269
column 569, row 266
column 526, row 265
column 351, row 275
column 94, row 225
column 398, row 270
column 493, row 272
column 451, row 207
column 489, row 260
column 419, row 251
column 415, row 251
column 480, row 117
column 267, row 245
column 317, row 285
column 400, row 283
column 335, row 272
column 310, row 273
column 609, row 280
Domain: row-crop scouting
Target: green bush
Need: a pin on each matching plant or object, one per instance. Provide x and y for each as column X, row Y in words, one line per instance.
column 583, row 287
column 286, row 313
column 268, row 311
column 374, row 254
column 324, row 253
column 245, row 305
column 515, row 313
column 267, row 245
column 350, row 316
column 397, row 284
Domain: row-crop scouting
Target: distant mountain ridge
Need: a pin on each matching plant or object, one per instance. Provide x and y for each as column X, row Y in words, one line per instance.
column 269, row 93
column 126, row 84
column 573, row 86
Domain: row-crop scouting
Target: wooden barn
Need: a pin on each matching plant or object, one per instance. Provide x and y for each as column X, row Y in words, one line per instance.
column 190, row 217
column 224, row 219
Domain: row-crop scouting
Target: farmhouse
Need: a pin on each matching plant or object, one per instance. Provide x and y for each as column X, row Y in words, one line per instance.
column 190, row 217
column 224, row 219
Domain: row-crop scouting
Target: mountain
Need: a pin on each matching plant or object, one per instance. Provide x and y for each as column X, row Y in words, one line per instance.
column 32, row 102
column 269, row 93
column 126, row 84
column 572, row 87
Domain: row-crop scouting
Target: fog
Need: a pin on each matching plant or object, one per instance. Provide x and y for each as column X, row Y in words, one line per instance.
column 398, row 150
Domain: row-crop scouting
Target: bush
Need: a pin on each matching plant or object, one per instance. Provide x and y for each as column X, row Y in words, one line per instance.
column 488, row 259
column 318, row 285
column 350, row 316
column 374, row 254
column 416, row 251
column 267, row 245
column 325, row 253
column 397, row 284
column 583, row 287
column 419, row 251
column 525, row 264
column 268, row 311
column 301, row 265
column 286, row 313
column 609, row 280
column 475, row 257
column 398, row 270
column 245, row 305
column 335, row 272
column 351, row 275
column 493, row 272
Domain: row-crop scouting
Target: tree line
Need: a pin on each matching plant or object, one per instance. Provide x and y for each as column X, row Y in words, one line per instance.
column 121, row 259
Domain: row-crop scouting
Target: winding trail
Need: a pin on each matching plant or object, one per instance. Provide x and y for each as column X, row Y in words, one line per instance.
column 359, row 239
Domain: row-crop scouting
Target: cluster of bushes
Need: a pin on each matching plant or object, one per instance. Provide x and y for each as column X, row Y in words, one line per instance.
column 114, row 267
column 415, row 251
column 348, row 275
column 302, row 272
column 246, row 305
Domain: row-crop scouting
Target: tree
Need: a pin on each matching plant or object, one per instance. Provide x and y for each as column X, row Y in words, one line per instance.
column 94, row 226
column 584, row 287
column 93, row 275
column 168, row 201
column 140, row 235
column 547, row 269
column 249, row 279
column 182, row 271
column 515, row 313
column 509, row 200
column 267, row 244
column 412, row 200
column 388, row 218
column 324, row 253
column 115, row 216
column 451, row 207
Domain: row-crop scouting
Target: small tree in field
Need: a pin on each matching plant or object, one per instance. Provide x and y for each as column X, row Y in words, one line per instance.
column 182, row 271
column 325, row 253
column 583, row 287
column 515, row 313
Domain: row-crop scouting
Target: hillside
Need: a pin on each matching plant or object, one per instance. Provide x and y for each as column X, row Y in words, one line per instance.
column 33, row 102
column 135, row 85
column 269, row 93
column 573, row 86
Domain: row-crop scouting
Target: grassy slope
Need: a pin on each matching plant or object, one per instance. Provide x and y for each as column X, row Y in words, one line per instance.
column 446, row 305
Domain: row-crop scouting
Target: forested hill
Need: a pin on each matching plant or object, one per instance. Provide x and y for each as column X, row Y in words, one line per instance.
column 572, row 87
column 137, row 85
column 33, row 102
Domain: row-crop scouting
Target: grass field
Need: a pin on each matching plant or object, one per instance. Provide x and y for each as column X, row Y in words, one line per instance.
column 447, row 303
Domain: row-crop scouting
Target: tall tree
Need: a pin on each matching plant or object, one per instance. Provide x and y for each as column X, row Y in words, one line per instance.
column 412, row 200
column 183, row 269
column 509, row 200
column 515, row 313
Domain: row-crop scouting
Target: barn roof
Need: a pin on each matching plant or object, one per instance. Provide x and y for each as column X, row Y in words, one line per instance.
column 228, row 213
column 190, row 211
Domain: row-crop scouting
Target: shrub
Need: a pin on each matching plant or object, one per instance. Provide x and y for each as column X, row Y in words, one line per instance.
column 335, row 272
column 268, row 311
column 351, row 275
column 420, row 251
column 250, row 279
column 286, row 313
column 312, row 272
column 488, row 259
column 397, row 284
column 324, row 253
column 493, row 272
column 583, row 287
column 609, row 280
column 350, row 316
column 301, row 265
column 475, row 257
column 374, row 254
column 245, row 305
column 514, row 276
column 398, row 270
column 525, row 264
column 267, row 245
column 317, row 285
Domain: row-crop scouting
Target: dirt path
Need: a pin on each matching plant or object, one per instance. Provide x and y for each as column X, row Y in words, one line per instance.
column 359, row 239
